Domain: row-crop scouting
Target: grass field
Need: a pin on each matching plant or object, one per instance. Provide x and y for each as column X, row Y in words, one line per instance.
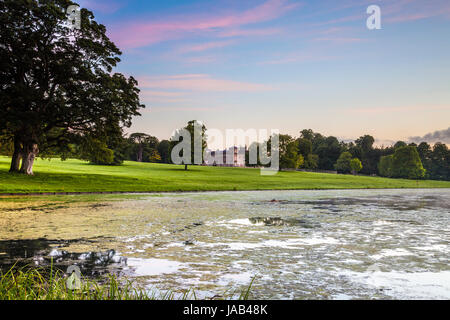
column 79, row 176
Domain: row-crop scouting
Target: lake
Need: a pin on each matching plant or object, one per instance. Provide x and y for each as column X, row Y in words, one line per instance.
column 340, row 244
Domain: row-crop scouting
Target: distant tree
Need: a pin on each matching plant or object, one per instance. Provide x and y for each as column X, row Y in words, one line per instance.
column 57, row 82
column 289, row 155
column 440, row 168
column 385, row 166
column 328, row 151
column 406, row 163
column 365, row 143
column 142, row 146
column 307, row 134
column 139, row 139
column 343, row 162
column 195, row 128
column 306, row 150
column 102, row 147
column 311, row 161
column 425, row 154
column 368, row 155
column 304, row 147
column 355, row 165
column 399, row 144
column 164, row 151
column 154, row 157
column 96, row 151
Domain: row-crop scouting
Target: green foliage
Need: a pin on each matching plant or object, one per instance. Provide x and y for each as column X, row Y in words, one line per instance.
column 29, row 283
column 154, row 157
column 385, row 166
column 143, row 147
column 347, row 164
column 164, row 151
column 355, row 165
column 399, row 144
column 75, row 92
column 343, row 163
column 311, row 161
column 404, row 163
column 289, row 156
column 96, row 152
column 440, row 162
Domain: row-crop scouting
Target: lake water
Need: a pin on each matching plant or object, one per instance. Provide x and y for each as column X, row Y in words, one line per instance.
column 346, row 244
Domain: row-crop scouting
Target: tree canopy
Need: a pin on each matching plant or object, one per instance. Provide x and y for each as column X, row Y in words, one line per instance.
column 58, row 82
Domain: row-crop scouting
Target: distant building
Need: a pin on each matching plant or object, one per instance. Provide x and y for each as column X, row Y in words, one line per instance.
column 232, row 157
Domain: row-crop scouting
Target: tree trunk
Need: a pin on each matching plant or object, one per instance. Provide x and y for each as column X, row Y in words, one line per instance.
column 30, row 151
column 16, row 157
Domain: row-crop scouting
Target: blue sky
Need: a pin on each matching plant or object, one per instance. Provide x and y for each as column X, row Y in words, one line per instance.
column 286, row 64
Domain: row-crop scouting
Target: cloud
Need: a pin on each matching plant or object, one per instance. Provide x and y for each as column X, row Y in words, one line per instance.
column 250, row 32
column 398, row 11
column 205, row 46
column 342, row 40
column 298, row 58
column 198, row 83
column 433, row 137
column 138, row 34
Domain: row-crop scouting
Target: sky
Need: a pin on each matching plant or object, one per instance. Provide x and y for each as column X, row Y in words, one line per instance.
column 286, row 64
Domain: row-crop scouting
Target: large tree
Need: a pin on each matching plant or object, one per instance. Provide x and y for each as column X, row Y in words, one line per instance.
column 406, row 163
column 144, row 146
column 290, row 158
column 57, row 82
column 198, row 130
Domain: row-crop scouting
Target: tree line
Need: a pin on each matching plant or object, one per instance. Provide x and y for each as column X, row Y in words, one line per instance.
column 314, row 151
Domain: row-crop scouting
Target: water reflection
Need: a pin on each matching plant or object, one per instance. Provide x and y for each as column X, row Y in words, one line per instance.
column 44, row 253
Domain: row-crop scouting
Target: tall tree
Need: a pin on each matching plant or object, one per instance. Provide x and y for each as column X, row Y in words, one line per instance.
column 164, row 151
column 328, row 151
column 440, row 162
column 288, row 151
column 144, row 145
column 195, row 129
column 56, row 81
column 343, row 162
column 406, row 163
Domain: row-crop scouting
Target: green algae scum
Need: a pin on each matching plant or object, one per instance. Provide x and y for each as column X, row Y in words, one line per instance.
column 328, row 244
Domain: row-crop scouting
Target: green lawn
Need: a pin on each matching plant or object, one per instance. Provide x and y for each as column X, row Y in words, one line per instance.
column 79, row 176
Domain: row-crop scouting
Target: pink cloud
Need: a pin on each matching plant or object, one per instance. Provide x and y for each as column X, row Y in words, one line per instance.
column 132, row 35
column 201, row 60
column 199, row 83
column 250, row 32
column 298, row 58
column 395, row 11
column 205, row 46
column 341, row 40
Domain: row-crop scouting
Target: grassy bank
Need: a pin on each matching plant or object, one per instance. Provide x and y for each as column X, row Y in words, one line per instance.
column 41, row 284
column 79, row 176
